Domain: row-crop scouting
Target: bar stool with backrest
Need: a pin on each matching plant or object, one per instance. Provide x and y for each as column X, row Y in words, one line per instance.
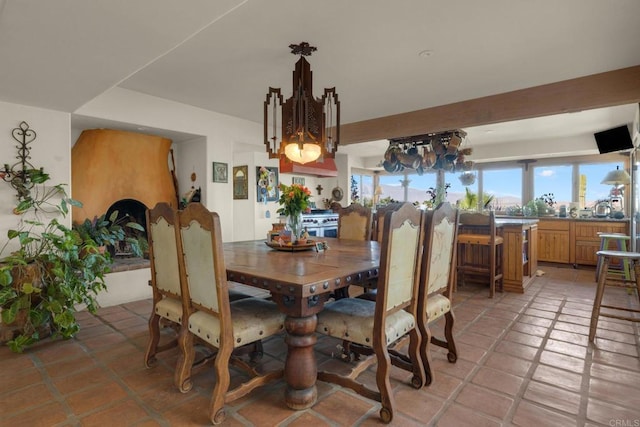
column 480, row 249
column 605, row 279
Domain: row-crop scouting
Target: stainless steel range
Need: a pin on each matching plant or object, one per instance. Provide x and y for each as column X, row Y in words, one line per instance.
column 321, row 223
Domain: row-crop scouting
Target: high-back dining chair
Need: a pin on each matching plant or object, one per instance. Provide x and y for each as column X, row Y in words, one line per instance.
column 378, row 326
column 211, row 318
column 478, row 231
column 164, row 247
column 378, row 219
column 436, row 282
column 354, row 222
column 165, row 277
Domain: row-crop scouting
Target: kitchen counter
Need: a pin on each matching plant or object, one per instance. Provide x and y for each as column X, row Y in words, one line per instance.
column 502, row 221
column 573, row 241
column 556, row 218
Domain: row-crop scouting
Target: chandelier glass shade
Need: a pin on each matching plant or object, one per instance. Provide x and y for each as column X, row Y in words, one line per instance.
column 308, row 153
column 302, row 128
column 437, row 151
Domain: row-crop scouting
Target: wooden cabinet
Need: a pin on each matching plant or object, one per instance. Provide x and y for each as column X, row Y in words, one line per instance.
column 519, row 258
column 585, row 238
column 554, row 240
column 573, row 241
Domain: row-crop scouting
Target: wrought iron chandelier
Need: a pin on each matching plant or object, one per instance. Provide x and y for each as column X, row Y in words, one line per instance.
column 436, row 151
column 303, row 128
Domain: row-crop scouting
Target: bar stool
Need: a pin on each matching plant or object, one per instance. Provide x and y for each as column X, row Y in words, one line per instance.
column 480, row 249
column 605, row 279
column 620, row 241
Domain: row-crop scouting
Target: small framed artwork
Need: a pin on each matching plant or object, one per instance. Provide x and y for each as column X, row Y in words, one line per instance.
column 267, row 184
column 321, row 246
column 297, row 180
column 240, row 182
column 220, row 172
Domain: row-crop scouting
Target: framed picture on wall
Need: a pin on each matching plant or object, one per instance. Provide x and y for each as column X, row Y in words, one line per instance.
column 240, row 182
column 267, row 184
column 220, row 172
column 297, row 180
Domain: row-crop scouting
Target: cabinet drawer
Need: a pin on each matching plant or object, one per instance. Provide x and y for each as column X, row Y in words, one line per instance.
column 559, row 225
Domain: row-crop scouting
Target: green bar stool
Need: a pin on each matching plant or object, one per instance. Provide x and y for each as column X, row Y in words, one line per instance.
column 605, row 279
column 620, row 240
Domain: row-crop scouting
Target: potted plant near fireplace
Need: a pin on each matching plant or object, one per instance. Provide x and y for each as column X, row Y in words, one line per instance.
column 50, row 272
column 109, row 232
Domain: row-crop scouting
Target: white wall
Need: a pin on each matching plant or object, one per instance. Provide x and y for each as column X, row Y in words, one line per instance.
column 189, row 157
column 221, row 133
column 50, row 150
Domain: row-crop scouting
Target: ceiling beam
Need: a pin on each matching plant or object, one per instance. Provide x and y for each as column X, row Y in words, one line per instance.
column 608, row 89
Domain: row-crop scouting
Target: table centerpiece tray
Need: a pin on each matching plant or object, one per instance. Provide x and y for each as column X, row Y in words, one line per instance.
column 289, row 247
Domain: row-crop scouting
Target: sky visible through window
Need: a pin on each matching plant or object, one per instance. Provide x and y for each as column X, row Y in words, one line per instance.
column 506, row 184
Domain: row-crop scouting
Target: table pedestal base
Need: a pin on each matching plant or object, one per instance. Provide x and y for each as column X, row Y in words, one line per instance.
column 300, row 368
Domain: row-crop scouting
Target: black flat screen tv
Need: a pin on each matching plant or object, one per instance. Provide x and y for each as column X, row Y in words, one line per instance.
column 616, row 139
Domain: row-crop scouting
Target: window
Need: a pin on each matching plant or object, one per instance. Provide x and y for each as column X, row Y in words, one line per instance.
column 505, row 185
column 391, row 187
column 466, row 197
column 556, row 180
column 593, row 190
column 364, row 187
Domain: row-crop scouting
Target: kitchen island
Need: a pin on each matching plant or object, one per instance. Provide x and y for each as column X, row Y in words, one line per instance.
column 520, row 252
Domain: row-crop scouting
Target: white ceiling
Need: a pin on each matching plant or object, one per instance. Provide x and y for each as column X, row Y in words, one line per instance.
column 223, row 55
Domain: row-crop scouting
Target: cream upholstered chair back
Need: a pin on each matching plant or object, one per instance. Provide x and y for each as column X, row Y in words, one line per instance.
column 399, row 257
column 163, row 251
column 204, row 267
column 378, row 219
column 354, row 222
column 210, row 317
column 436, row 282
column 374, row 326
column 440, row 248
column 166, row 283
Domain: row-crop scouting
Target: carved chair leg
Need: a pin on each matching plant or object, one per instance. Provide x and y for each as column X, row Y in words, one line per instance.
column 154, row 339
column 452, row 356
column 223, row 379
column 425, row 353
column 182, row 377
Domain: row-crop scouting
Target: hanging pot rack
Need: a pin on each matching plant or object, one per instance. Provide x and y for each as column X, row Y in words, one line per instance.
column 441, row 150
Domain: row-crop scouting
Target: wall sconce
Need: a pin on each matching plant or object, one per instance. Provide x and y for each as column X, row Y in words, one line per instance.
column 306, row 130
column 22, row 175
column 430, row 151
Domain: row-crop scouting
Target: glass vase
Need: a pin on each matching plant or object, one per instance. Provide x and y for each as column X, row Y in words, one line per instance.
column 294, row 224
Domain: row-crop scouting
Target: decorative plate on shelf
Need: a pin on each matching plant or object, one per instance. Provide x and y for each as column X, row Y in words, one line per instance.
column 337, row 194
column 288, row 247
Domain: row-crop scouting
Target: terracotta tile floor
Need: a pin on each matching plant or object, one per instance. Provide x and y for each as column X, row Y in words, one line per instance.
column 523, row 360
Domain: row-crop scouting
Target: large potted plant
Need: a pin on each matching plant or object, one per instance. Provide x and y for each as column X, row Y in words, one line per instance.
column 49, row 273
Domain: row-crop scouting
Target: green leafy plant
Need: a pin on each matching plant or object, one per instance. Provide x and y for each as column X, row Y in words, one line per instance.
column 470, row 200
column 113, row 230
column 50, row 270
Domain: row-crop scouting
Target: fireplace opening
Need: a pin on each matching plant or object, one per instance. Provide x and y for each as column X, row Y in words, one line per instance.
column 129, row 210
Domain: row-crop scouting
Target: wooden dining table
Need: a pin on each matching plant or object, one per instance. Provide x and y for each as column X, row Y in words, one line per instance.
column 300, row 282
